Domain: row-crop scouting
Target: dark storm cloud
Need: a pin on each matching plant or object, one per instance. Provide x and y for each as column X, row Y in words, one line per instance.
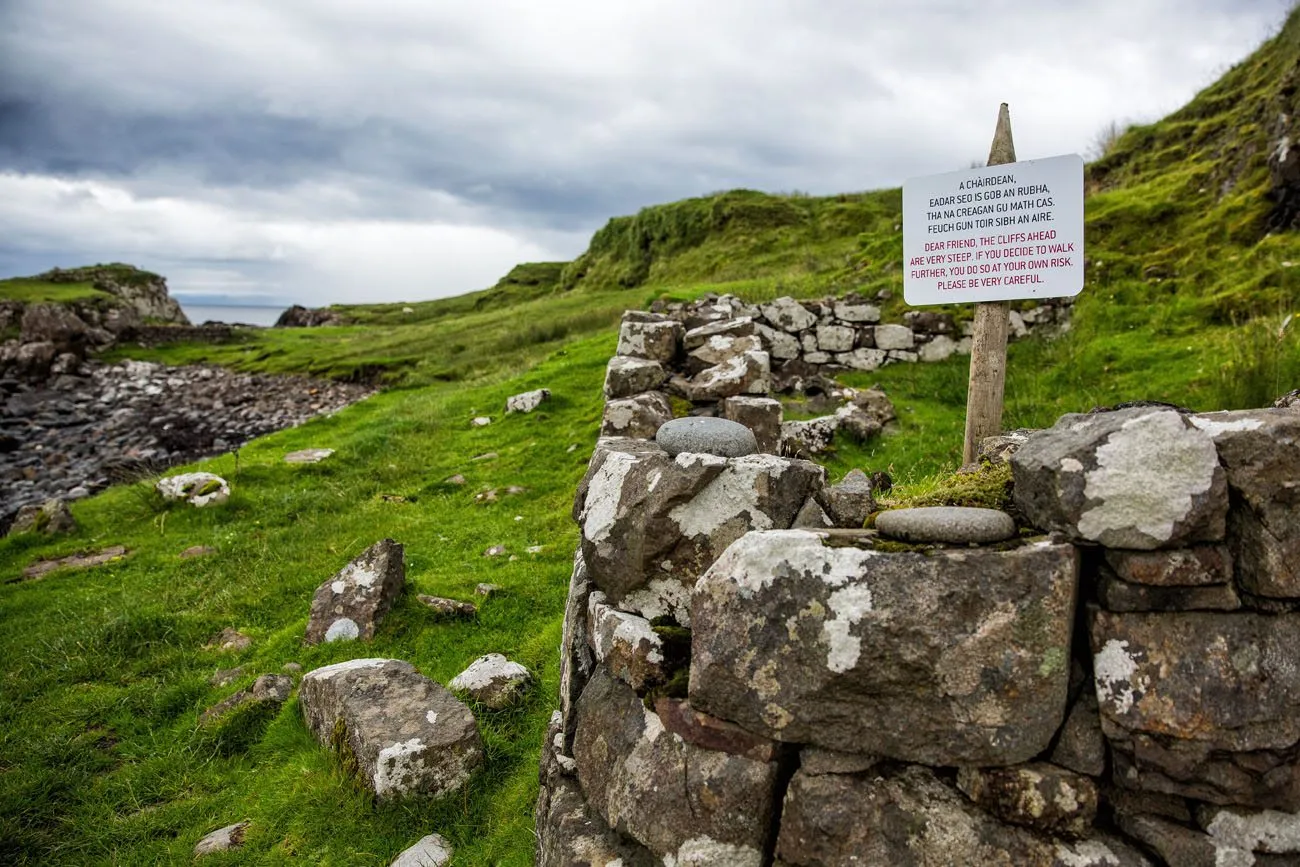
column 266, row 134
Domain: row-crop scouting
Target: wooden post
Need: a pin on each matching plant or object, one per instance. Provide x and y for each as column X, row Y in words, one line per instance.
column 988, row 351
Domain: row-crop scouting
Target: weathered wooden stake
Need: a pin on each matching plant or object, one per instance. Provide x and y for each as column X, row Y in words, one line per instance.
column 988, row 351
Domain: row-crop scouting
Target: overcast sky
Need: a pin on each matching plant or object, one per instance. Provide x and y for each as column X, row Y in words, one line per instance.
column 318, row 151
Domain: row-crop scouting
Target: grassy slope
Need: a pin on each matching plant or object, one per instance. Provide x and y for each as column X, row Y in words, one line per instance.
column 30, row 291
column 100, row 757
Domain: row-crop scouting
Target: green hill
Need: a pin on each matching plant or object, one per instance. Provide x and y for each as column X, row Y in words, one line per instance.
column 1191, row 260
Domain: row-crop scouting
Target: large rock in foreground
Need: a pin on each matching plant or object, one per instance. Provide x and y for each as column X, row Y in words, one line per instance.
column 1202, row 704
column 352, row 603
column 952, row 657
column 685, row 803
column 651, row 523
column 912, row 818
column 1136, row 478
column 405, row 734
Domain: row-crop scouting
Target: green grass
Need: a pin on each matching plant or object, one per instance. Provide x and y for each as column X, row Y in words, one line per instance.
column 101, row 757
column 30, row 291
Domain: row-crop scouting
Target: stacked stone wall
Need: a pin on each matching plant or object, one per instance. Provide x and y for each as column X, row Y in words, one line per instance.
column 1117, row 683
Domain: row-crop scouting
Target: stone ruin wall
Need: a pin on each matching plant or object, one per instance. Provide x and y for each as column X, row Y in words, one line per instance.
column 746, row 683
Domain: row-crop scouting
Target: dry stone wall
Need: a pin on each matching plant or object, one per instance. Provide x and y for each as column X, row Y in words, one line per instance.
column 1117, row 683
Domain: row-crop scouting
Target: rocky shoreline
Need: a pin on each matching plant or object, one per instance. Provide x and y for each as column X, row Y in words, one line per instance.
column 83, row 429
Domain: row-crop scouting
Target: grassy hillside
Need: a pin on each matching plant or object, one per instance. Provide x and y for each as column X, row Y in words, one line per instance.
column 1191, row 274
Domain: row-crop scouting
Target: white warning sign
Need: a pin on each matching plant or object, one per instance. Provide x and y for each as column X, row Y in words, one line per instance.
column 996, row 233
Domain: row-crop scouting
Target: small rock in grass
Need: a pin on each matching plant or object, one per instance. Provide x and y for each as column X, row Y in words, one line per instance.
column 197, row 489
column 272, row 689
column 51, row 518
column 222, row 839
column 292, row 667
column 197, row 551
column 710, row 436
column 486, row 590
column 307, row 456
column 228, row 639
column 226, row 676
column 352, row 603
column 516, row 489
column 528, row 401
column 448, row 607
column 955, row 525
column 534, row 549
column 493, row 681
column 486, row 456
column 457, row 479
column 495, row 551
column 75, row 561
column 481, row 421
column 430, row 851
column 488, row 496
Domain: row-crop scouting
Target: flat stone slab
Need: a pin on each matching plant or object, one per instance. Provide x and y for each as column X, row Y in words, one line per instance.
column 307, row 456
column 405, row 734
column 950, row 525
column 222, row 839
column 432, row 850
column 75, row 561
column 709, row 436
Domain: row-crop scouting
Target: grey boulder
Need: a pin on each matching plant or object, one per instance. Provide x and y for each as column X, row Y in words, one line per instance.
column 352, row 603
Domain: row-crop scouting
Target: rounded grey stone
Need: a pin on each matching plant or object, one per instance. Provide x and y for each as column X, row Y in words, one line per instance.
column 947, row 524
column 709, row 436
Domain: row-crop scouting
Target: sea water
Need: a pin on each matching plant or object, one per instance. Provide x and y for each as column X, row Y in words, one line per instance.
column 231, row 315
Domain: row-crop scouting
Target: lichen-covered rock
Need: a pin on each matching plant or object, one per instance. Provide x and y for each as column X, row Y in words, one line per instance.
column 849, row 502
column 802, row 439
column 749, row 372
column 448, row 608
column 778, row 343
column 269, row 689
column 762, row 415
column 788, row 315
column 856, row 312
column 651, row 524
column 1260, row 450
column 863, row 359
column 197, row 489
column 527, row 401
column 720, row 348
column 835, row 338
column 403, row 734
column 1269, row 832
column 1185, row 567
column 352, row 603
column 693, row 805
column 894, row 337
column 938, row 349
column 742, row 326
column 569, row 833
column 625, row 644
column 577, row 660
column 958, row 657
column 1200, row 704
column 639, row 416
column 53, row 517
column 1037, row 795
column 658, row 340
column 431, row 850
column 493, row 681
column 1139, row 478
column 1182, row 846
column 626, row 375
column 856, row 422
column 910, row 817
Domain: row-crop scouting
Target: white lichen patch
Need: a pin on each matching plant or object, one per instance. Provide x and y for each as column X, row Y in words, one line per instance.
column 487, row 671
column 1086, row 853
column 343, row 629
column 661, row 597
column 399, row 767
column 735, row 492
column 1147, row 476
column 328, row 671
column 754, row 562
column 1114, row 670
column 1269, row 831
column 338, row 587
column 600, row 509
column 432, row 717
column 848, row 606
column 707, row 852
column 613, row 631
column 1216, row 426
column 1071, row 465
